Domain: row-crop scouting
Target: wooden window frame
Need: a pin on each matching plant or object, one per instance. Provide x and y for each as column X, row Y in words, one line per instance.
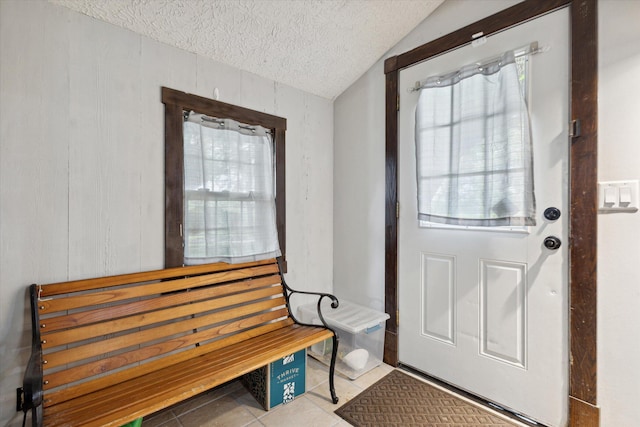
column 583, row 410
column 175, row 104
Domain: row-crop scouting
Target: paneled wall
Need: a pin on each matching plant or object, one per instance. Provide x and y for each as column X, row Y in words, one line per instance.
column 82, row 160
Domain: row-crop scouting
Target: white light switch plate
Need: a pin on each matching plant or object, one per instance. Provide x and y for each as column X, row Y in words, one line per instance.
column 618, row 196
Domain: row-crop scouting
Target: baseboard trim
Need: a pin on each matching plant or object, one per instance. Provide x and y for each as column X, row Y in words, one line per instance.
column 390, row 356
column 583, row 414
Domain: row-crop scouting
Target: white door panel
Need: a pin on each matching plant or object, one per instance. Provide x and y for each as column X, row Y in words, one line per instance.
column 487, row 311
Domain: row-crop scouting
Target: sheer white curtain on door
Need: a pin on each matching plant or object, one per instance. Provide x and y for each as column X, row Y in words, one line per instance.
column 229, row 188
column 473, row 148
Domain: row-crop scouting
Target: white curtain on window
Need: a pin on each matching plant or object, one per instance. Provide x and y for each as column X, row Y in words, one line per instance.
column 229, row 192
column 473, row 148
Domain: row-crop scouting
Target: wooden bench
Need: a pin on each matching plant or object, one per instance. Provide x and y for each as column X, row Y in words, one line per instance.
column 109, row 350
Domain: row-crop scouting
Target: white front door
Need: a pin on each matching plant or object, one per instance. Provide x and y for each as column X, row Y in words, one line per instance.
column 484, row 309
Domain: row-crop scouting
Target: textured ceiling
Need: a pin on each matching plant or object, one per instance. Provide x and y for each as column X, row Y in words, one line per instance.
column 320, row 46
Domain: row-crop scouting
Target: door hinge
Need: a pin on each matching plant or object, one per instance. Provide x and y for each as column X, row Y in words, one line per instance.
column 397, row 318
column 575, row 128
column 397, row 209
column 397, row 102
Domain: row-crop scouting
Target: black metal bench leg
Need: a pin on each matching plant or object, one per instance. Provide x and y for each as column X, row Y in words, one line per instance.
column 332, row 368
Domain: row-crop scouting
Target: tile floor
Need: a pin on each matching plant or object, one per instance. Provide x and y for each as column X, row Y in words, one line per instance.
column 232, row 405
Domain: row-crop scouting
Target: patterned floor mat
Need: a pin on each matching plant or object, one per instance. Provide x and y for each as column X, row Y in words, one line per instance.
column 399, row 399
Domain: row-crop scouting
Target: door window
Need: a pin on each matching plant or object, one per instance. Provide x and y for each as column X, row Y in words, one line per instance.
column 473, row 147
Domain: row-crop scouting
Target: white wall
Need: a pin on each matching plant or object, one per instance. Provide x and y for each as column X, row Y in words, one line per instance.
column 82, row 160
column 359, row 190
column 619, row 234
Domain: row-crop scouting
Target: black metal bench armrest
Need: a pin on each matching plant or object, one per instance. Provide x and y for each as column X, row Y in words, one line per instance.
column 321, row 296
column 32, row 382
column 335, row 339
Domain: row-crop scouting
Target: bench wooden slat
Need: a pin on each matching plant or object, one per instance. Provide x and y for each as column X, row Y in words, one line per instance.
column 61, row 288
column 243, row 356
column 143, row 319
column 72, row 392
column 184, row 342
column 199, row 374
column 89, row 350
column 120, row 360
column 202, row 284
column 56, row 338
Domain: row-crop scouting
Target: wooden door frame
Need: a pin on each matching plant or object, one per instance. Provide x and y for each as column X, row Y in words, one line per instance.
column 583, row 410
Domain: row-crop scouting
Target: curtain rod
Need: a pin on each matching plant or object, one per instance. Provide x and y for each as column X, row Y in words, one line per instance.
column 530, row 49
column 221, row 122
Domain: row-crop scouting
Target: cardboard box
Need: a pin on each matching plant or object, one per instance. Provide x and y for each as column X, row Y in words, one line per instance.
column 280, row 382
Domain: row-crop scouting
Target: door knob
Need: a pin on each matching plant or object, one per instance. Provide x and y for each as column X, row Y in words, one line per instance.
column 552, row 242
column 552, row 213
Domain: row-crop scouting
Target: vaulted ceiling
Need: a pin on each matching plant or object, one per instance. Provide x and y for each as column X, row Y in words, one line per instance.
column 319, row 46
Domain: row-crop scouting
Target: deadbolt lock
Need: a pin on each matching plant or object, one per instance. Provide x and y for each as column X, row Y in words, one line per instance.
column 552, row 213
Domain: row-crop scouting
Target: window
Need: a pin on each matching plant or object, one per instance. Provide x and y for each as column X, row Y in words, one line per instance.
column 473, row 147
column 193, row 191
